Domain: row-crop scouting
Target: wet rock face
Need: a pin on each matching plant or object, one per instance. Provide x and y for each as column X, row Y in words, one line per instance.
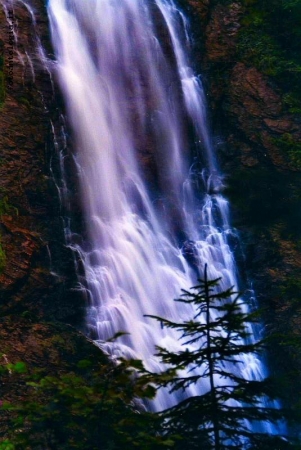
column 37, row 275
column 200, row 8
column 246, row 107
column 30, row 212
column 221, row 32
column 256, row 110
column 53, row 346
column 247, row 110
column 258, row 137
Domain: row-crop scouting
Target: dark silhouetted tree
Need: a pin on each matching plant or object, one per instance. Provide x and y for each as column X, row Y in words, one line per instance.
column 234, row 409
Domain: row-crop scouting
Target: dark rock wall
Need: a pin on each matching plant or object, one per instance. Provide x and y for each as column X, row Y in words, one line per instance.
column 257, row 137
column 30, row 212
column 37, row 278
column 247, row 113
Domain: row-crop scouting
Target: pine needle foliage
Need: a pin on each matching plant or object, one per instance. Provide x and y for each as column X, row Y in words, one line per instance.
column 217, row 345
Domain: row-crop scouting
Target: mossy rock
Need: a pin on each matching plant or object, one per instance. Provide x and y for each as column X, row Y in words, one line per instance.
column 262, row 197
column 41, row 344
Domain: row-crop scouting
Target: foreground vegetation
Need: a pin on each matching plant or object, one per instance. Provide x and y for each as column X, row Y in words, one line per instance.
column 101, row 406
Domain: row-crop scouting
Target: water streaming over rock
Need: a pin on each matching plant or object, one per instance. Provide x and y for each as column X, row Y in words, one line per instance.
column 154, row 213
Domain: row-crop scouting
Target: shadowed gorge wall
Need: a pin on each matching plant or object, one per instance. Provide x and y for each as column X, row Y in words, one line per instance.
column 31, row 223
column 37, row 278
column 247, row 55
column 257, row 130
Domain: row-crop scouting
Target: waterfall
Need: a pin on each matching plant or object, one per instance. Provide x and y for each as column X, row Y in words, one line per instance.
column 150, row 186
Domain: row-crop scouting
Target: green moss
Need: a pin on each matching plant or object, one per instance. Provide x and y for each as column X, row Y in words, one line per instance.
column 269, row 197
column 260, row 50
column 2, row 258
column 24, row 101
column 288, row 144
column 292, row 103
column 269, row 40
column 6, row 207
column 2, row 89
column 2, row 80
column 7, row 445
column 291, row 291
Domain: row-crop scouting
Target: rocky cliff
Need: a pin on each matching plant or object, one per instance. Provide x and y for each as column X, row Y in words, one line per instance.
column 37, row 268
column 37, row 275
column 257, row 135
column 256, row 122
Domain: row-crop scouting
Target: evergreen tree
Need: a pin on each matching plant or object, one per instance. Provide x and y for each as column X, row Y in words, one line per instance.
column 232, row 411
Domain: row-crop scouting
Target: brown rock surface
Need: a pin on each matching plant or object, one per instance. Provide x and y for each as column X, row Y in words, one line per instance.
column 245, row 104
column 201, row 9
column 221, row 32
column 256, row 110
column 30, row 223
column 52, row 346
column 261, row 140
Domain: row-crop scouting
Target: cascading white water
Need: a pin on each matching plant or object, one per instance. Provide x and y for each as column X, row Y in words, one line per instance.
column 131, row 99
